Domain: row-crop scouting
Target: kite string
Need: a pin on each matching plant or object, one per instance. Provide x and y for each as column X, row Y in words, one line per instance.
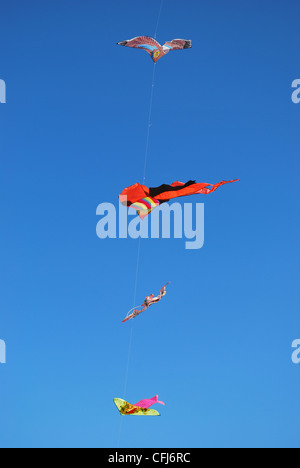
column 144, row 178
column 149, row 122
column 139, row 243
column 131, row 330
column 151, row 97
column 130, row 339
column 158, row 19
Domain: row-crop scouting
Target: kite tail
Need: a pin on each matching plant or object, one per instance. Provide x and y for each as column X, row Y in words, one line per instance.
column 216, row 186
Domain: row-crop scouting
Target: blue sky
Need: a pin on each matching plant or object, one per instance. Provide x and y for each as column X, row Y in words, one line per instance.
column 217, row 349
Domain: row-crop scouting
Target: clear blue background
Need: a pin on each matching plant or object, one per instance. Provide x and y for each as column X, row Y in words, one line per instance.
column 217, row 349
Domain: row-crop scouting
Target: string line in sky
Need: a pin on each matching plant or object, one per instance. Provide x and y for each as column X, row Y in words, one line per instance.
column 139, row 242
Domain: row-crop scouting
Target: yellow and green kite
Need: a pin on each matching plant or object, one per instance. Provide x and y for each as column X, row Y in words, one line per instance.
column 142, row 408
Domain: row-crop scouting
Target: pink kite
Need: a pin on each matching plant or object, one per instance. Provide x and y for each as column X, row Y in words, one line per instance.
column 149, row 402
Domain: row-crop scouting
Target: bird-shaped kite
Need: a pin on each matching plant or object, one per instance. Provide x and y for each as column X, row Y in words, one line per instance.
column 141, row 408
column 149, row 301
column 145, row 199
column 154, row 49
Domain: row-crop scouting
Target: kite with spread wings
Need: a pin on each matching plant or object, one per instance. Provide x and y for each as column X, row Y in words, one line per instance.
column 154, row 49
column 145, row 199
column 141, row 408
column 149, row 301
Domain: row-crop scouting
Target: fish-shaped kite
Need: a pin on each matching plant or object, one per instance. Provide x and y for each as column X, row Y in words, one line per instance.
column 141, row 408
column 145, row 199
column 154, row 49
column 149, row 301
